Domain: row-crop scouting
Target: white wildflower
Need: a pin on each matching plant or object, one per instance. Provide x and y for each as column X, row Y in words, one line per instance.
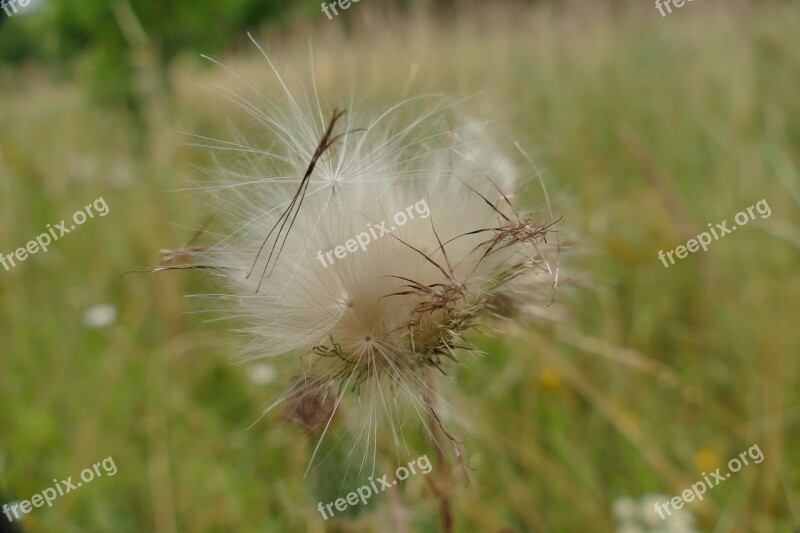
column 632, row 515
column 99, row 316
column 262, row 373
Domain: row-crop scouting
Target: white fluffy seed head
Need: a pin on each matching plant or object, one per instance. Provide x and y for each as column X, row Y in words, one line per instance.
column 404, row 236
column 381, row 216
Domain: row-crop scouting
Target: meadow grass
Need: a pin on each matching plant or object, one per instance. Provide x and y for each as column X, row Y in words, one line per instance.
column 646, row 128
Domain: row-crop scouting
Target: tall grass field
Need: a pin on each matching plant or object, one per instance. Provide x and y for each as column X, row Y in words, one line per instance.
column 646, row 130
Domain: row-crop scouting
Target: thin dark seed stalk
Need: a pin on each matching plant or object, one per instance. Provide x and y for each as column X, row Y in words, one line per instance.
column 187, row 249
column 427, row 258
column 444, row 251
column 325, row 143
column 285, row 236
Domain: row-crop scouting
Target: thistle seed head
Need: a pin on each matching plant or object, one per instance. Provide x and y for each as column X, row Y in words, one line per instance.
column 368, row 244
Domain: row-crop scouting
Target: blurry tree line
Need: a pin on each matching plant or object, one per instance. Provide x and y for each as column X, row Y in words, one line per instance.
column 101, row 40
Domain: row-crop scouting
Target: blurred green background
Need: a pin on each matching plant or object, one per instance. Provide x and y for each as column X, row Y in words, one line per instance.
column 647, row 127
